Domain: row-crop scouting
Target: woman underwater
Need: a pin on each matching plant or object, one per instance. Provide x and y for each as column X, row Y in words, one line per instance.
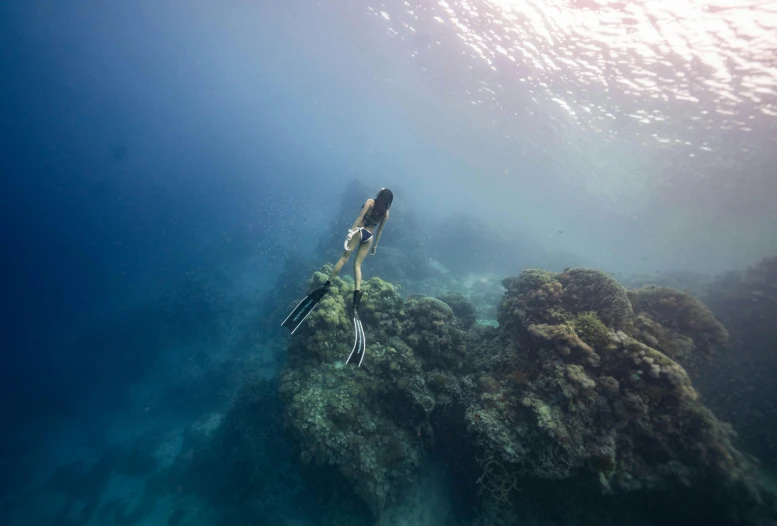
column 374, row 214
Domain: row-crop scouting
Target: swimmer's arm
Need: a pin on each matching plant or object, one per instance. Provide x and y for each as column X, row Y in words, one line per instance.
column 360, row 220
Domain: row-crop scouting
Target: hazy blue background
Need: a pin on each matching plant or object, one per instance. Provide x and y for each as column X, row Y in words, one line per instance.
column 144, row 142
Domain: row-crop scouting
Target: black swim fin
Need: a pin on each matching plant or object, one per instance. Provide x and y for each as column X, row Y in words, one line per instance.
column 359, row 345
column 304, row 307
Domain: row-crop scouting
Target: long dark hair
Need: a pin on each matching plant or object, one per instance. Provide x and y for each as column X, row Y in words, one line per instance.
column 382, row 203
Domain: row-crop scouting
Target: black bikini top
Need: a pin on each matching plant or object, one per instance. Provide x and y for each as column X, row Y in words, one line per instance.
column 369, row 220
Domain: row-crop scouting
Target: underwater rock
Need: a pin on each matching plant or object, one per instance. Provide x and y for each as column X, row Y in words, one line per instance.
column 675, row 321
column 600, row 405
column 539, row 296
column 430, row 329
column 462, row 308
column 570, row 386
column 371, row 422
column 592, row 290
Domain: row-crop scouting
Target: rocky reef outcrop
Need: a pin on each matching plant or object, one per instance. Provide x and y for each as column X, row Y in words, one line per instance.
column 582, row 384
column 586, row 391
column 372, row 422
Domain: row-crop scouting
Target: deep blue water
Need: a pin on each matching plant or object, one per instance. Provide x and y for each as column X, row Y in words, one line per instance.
column 163, row 163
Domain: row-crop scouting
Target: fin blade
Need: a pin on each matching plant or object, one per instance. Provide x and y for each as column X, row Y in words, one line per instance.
column 291, row 314
column 363, row 344
column 355, row 340
column 302, row 310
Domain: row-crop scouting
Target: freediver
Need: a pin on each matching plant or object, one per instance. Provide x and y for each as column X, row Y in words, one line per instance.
column 374, row 214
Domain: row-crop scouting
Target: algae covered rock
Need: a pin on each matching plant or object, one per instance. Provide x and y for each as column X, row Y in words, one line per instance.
column 587, row 289
column 327, row 333
column 430, row 329
column 677, row 321
column 574, row 384
column 591, row 329
column 533, row 297
column 334, row 413
column 538, row 296
column 338, row 413
column 599, row 402
column 462, row 308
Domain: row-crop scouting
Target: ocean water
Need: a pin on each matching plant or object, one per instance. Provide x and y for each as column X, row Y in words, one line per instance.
column 569, row 319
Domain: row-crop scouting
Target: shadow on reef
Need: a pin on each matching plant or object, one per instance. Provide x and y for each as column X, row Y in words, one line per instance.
column 576, row 406
column 247, row 472
column 741, row 383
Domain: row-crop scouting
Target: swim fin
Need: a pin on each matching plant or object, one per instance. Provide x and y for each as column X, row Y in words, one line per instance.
column 359, row 345
column 304, row 307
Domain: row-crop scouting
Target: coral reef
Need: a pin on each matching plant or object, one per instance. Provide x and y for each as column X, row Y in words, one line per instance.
column 574, row 384
column 676, row 321
column 596, row 393
column 592, row 290
column 462, row 308
column 431, row 331
column 542, row 297
column 606, row 406
column 371, row 421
